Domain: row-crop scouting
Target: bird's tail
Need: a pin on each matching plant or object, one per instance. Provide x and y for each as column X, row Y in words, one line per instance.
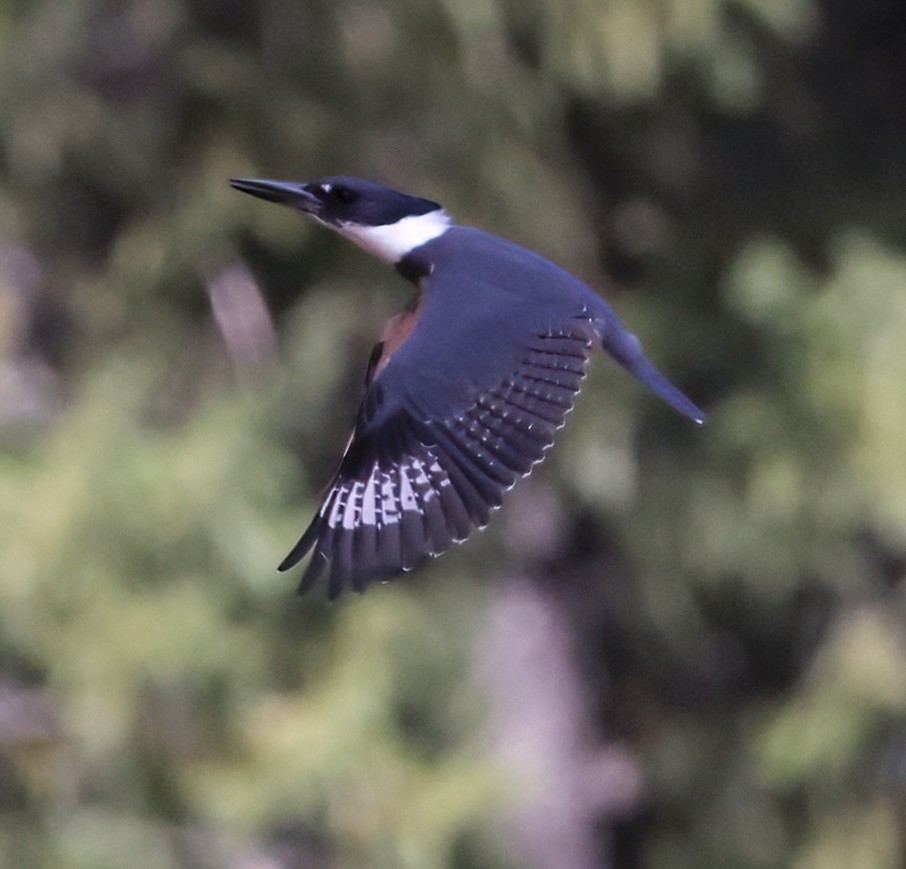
column 626, row 349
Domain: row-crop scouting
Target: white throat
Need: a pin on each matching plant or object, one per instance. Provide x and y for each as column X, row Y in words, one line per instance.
column 393, row 241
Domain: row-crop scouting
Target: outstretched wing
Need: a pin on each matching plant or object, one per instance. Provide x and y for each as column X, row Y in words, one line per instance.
column 413, row 481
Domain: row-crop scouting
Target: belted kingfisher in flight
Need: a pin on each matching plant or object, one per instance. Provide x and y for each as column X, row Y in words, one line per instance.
column 465, row 389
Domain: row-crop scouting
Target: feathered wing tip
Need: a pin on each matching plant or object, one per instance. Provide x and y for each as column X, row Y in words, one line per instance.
column 415, row 486
column 302, row 548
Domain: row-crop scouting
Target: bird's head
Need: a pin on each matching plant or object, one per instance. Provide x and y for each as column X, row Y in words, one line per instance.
column 383, row 221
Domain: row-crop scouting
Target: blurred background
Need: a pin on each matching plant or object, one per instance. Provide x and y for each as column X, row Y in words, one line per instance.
column 675, row 647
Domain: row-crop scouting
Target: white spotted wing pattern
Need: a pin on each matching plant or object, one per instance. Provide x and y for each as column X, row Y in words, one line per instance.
column 416, row 485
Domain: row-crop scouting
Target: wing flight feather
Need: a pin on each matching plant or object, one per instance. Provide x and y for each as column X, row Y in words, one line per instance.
column 413, row 485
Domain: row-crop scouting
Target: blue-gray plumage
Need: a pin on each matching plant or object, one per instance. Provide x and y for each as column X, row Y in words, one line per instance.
column 465, row 389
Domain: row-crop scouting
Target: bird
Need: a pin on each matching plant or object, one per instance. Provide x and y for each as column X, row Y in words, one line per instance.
column 465, row 389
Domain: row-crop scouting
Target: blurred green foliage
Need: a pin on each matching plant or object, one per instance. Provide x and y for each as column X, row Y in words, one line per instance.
column 732, row 174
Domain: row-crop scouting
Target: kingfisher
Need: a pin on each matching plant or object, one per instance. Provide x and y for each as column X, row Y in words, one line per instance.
column 465, row 389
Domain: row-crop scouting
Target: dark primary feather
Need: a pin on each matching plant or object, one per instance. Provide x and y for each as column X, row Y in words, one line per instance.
column 415, row 483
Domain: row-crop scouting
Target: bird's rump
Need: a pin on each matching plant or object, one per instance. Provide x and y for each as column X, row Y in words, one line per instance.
column 414, row 481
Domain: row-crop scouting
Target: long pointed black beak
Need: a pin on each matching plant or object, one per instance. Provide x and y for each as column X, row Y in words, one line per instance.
column 289, row 193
